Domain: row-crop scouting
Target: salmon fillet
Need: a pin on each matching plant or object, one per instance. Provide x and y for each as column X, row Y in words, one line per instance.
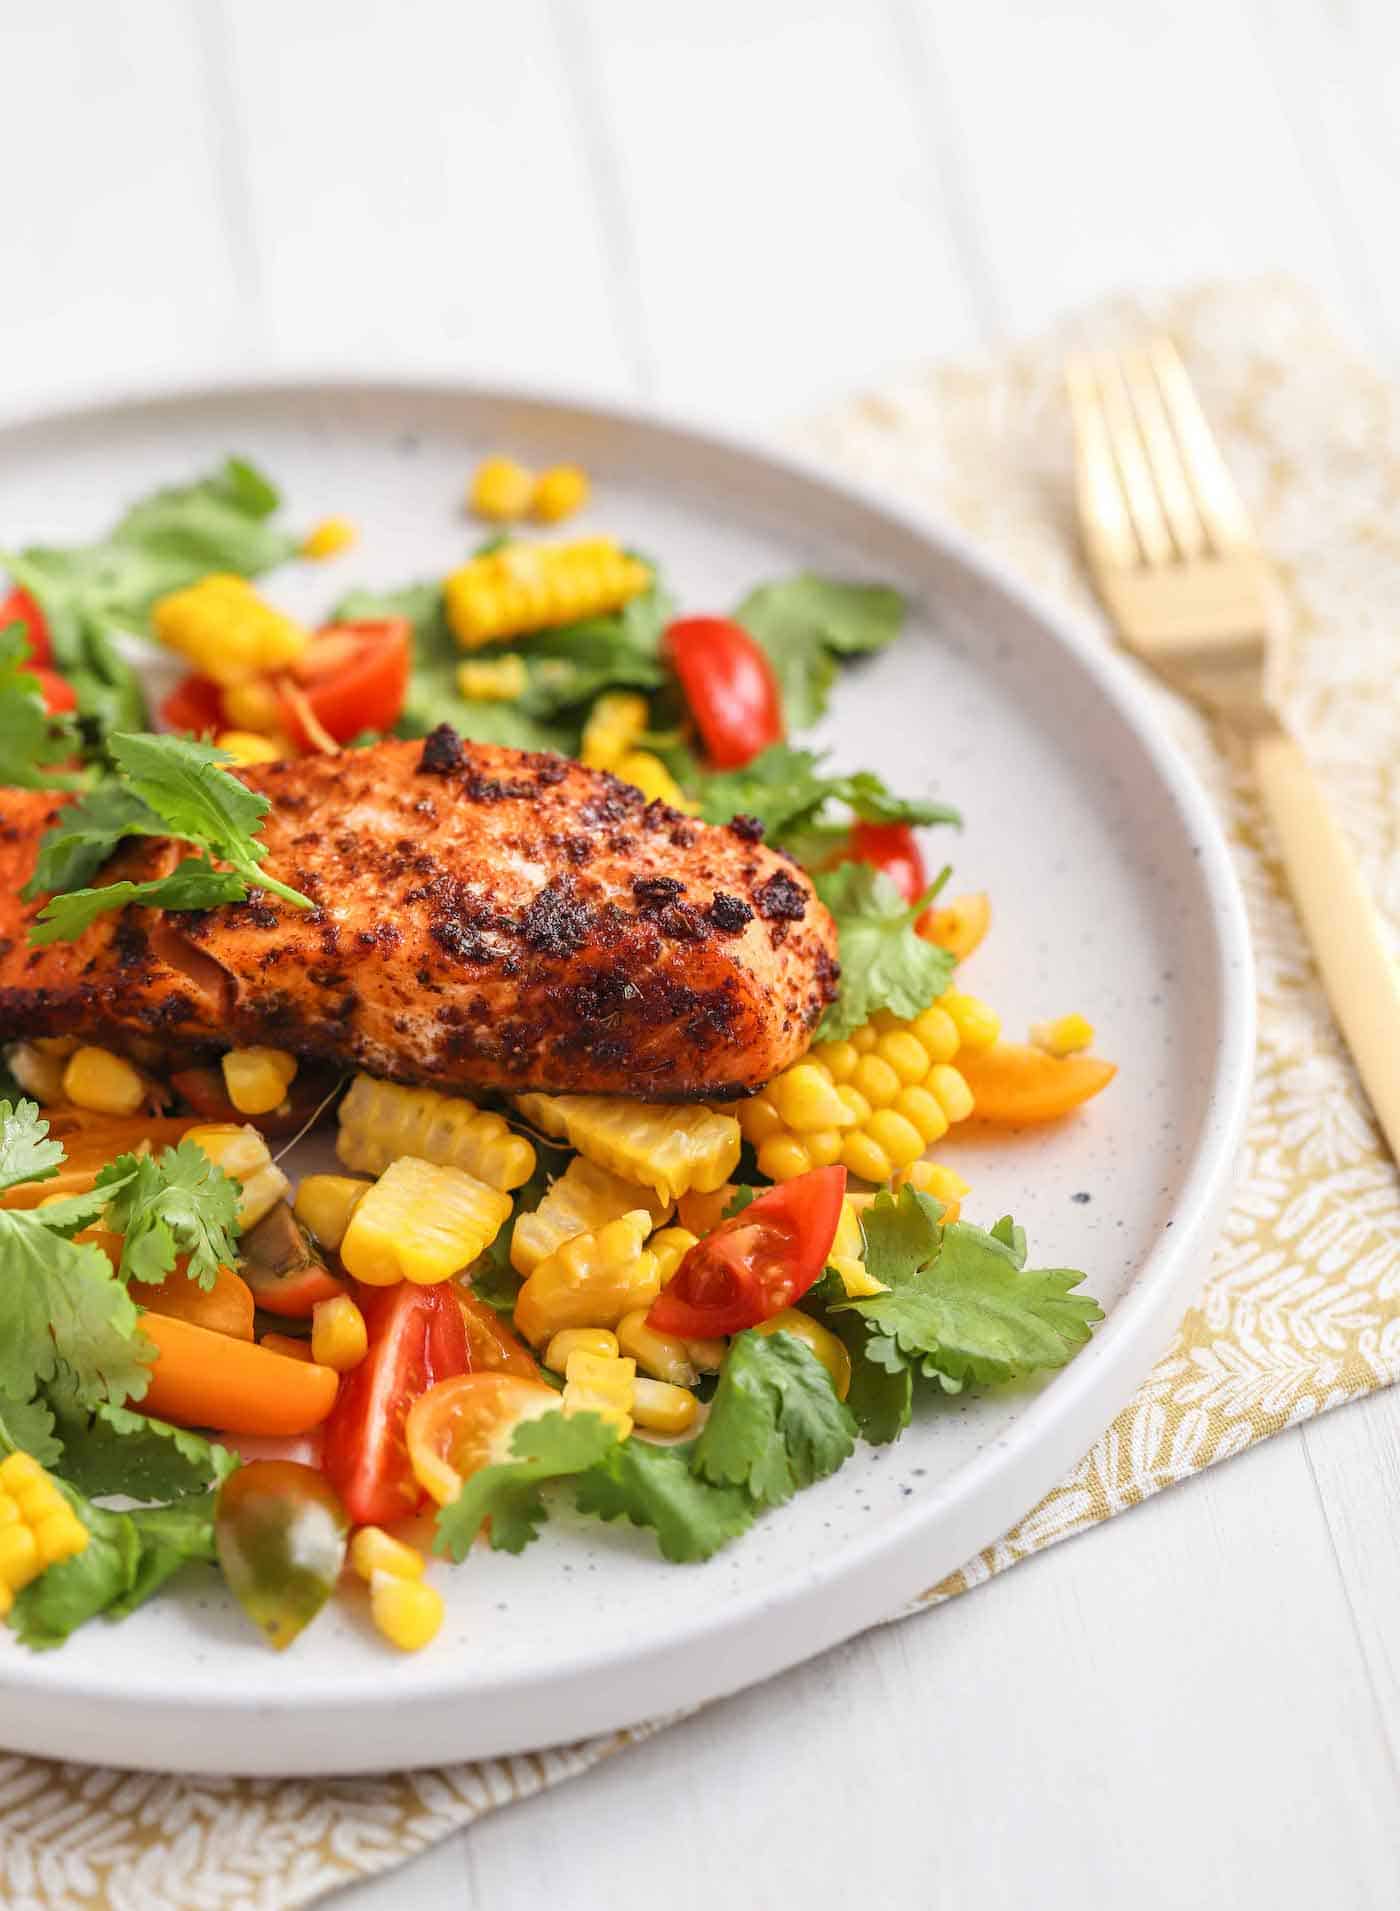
column 485, row 918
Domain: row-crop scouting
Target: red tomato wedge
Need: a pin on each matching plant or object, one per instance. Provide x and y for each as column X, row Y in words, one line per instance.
column 20, row 608
column 416, row 1338
column 460, row 1426
column 196, row 705
column 893, row 849
column 353, row 677
column 491, row 1344
column 59, row 695
column 730, row 686
column 756, row 1263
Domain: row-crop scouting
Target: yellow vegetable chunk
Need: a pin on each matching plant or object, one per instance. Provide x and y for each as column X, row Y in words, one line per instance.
column 670, row 1149
column 420, row 1222
column 584, row 1198
column 591, row 1281
column 257, row 1079
column 380, row 1122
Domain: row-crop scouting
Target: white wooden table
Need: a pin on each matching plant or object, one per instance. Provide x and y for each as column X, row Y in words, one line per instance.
column 743, row 208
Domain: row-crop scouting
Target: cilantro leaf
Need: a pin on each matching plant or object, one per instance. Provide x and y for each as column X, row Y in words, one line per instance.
column 508, row 1494
column 117, row 1451
column 192, row 884
column 786, row 790
column 63, row 1312
column 27, row 1426
column 806, row 622
column 27, row 1153
column 881, row 1400
column 86, row 833
column 655, row 1486
column 29, row 736
column 775, row 1423
column 885, row 962
column 179, row 1203
column 165, row 542
column 963, row 1308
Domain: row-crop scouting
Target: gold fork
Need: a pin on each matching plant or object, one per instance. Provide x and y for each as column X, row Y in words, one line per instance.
column 1182, row 574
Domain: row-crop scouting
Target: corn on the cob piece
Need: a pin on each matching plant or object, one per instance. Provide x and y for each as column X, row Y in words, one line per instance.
column 105, row 1084
column 525, row 587
column 257, row 1079
column 1066, row 1035
column 583, row 1199
column 420, row 1222
column 501, row 490
column 661, row 1407
column 601, row 1384
column 558, row 493
column 38, row 1527
column 649, row 774
column 670, row 1149
column 243, row 1155
column 379, row 1122
column 591, row 1281
column 329, row 538
column 324, row 1204
column 226, row 631
column 874, row 1102
column 408, row 1612
column 493, row 679
column 615, row 722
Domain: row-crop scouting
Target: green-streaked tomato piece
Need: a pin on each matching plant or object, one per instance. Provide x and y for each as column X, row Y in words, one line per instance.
column 281, row 1531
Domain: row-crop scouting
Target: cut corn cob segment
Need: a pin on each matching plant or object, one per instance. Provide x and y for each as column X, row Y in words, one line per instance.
column 379, row 1122
column 584, row 1198
column 526, row 587
column 493, row 679
column 618, row 718
column 257, row 1079
column 421, row 1222
column 226, row 631
column 591, row 1281
column 669, row 1149
column 601, row 1384
column 244, row 1156
column 38, row 1528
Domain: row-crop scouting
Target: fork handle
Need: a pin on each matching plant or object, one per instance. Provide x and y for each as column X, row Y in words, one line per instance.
column 1340, row 920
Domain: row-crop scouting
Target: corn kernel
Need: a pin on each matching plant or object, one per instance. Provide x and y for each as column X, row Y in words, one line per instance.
column 977, row 1025
column 936, row 1032
column 864, row 1039
column 339, row 1337
column 919, row 1106
column 700, row 1213
column 952, row 1093
column 876, row 1080
column 824, row 1148
column 1066, row 1035
column 818, row 1340
column 758, row 1118
column 707, row 1356
column 558, row 493
column 104, row 1083
column 493, row 679
column 409, row 1612
column 324, row 1204
column 899, row 1139
column 930, row 1177
column 247, row 746
column 329, row 538
column 421, row 1222
column 661, row 1407
column 670, row 1246
column 501, row 490
column 783, row 1157
column 372, row 1550
column 806, row 1099
column 243, row 1155
column 287, row 1345
column 647, row 773
column 660, row 1355
column 905, row 1054
column 569, row 1340
column 255, row 706
column 19, row 1471
column 601, row 1384
column 59, row 1535
column 618, row 718
column 19, row 1555
column 854, row 1103
column 837, row 1058
column 864, row 1156
column 257, row 1079
column 591, row 1281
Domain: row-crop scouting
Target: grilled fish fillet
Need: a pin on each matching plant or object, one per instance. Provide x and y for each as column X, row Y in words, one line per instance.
column 485, row 918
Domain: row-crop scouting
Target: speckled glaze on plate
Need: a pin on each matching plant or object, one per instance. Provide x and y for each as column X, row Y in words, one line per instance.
column 1112, row 894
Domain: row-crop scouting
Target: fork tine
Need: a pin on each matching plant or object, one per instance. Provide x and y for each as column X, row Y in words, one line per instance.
column 1173, row 491
column 1219, row 503
column 1131, row 459
column 1103, row 509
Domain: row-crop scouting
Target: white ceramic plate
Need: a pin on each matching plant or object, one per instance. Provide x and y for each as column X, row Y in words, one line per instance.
column 1112, row 894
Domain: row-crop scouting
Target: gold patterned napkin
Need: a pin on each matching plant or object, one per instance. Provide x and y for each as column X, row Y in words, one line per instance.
column 1301, row 1309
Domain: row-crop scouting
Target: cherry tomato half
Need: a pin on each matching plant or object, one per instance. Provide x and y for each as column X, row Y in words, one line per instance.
column 460, row 1426
column 196, row 705
column 280, row 1533
column 59, row 695
column 730, row 686
column 416, row 1338
column 756, row 1263
column 892, row 849
column 20, row 608
column 354, row 677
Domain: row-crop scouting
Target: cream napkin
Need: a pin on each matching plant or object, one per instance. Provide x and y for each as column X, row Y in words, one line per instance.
column 1301, row 1308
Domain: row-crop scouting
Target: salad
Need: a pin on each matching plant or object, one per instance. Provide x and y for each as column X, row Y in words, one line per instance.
column 634, row 1021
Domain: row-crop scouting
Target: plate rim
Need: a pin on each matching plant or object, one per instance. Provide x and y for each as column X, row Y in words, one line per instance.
column 1047, row 1437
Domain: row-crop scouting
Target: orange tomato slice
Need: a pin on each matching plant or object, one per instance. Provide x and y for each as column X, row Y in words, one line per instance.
column 1014, row 1085
column 462, row 1425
